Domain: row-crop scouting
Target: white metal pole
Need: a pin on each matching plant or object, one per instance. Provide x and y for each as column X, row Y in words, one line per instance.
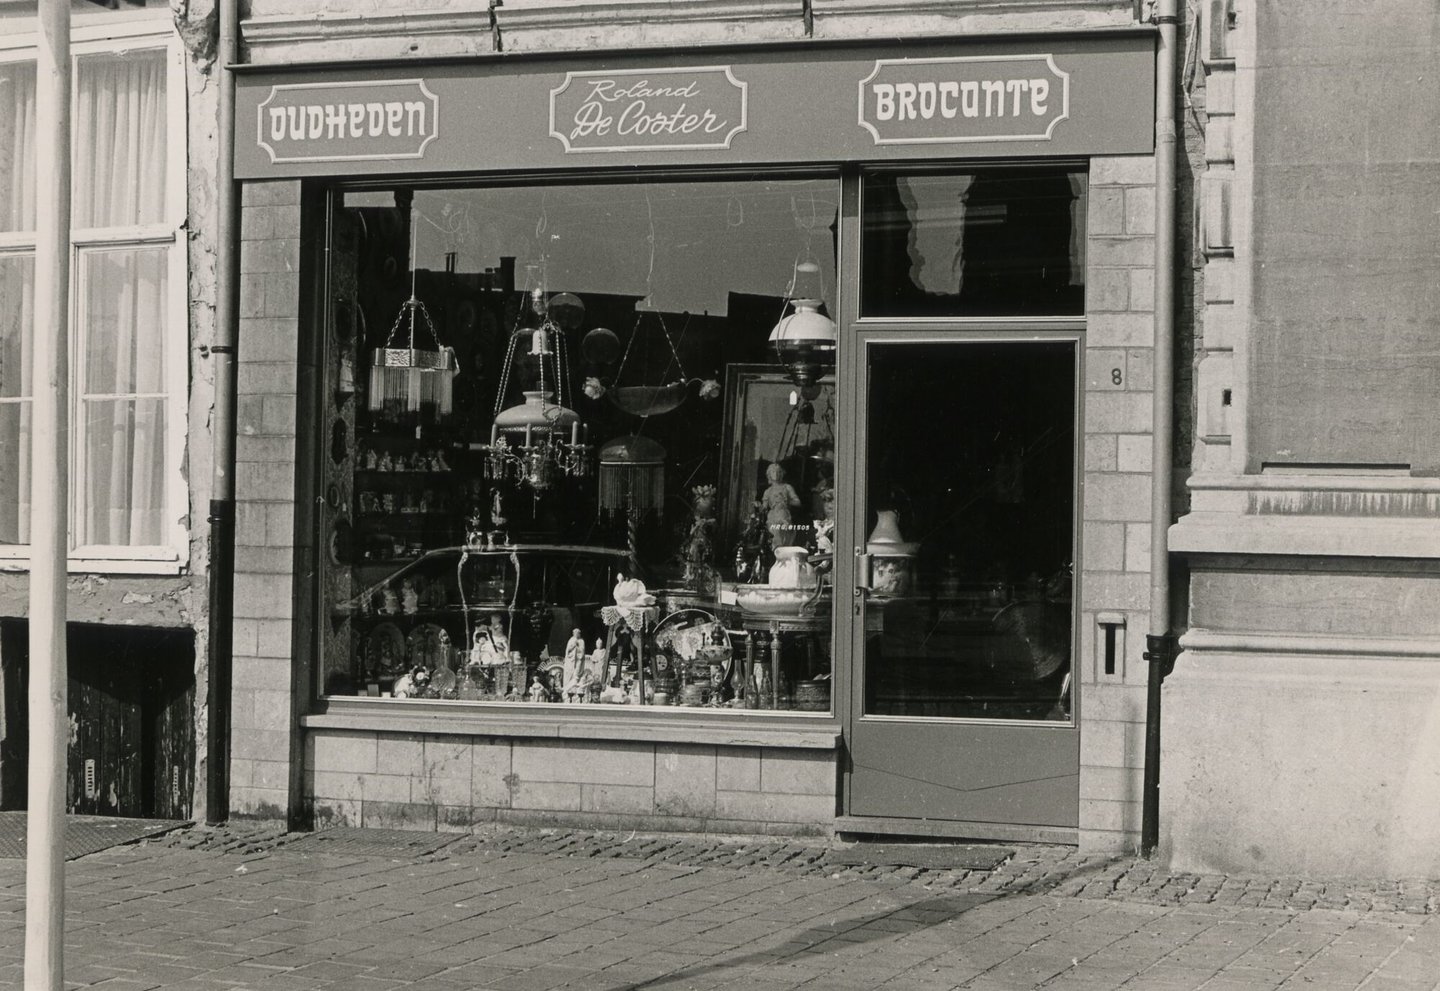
column 49, row 474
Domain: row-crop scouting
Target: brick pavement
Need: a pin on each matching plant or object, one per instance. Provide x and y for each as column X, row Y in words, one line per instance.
column 531, row 910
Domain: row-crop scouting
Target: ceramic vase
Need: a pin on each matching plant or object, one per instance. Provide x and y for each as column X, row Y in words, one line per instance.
column 791, row 568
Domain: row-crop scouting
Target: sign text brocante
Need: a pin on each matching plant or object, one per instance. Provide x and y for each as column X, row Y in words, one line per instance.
column 964, row 99
column 648, row 109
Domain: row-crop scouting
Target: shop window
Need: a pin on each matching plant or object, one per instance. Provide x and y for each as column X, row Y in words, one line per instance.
column 974, row 243
column 128, row 497
column 566, row 462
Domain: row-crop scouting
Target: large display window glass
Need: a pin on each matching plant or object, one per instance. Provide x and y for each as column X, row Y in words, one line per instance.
column 999, row 241
column 580, row 445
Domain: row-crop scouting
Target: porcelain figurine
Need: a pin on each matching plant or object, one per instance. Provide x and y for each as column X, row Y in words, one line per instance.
column 409, row 597
column 779, row 499
column 574, row 666
column 404, row 687
column 631, row 593
column 490, row 647
column 752, row 553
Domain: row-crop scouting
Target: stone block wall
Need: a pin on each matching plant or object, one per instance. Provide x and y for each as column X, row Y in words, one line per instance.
column 412, row 781
column 268, row 352
column 1114, row 585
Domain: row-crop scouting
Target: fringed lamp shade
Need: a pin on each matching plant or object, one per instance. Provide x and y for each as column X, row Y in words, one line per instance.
column 632, row 475
column 411, row 379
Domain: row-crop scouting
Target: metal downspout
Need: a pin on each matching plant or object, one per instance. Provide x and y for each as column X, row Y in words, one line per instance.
column 222, row 484
column 1160, row 642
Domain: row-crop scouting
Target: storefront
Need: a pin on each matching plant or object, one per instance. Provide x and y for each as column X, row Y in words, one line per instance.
column 724, row 439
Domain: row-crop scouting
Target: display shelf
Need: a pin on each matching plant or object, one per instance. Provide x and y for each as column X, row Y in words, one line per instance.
column 427, row 612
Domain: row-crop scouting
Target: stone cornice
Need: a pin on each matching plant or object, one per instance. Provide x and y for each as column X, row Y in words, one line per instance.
column 321, row 26
column 531, row 14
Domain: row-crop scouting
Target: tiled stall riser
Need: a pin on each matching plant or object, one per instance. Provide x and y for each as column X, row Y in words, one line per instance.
column 453, row 782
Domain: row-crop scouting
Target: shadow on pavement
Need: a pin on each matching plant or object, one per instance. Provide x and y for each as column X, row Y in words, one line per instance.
column 827, row 938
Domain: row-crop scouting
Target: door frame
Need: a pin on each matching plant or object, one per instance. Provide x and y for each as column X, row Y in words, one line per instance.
column 857, row 333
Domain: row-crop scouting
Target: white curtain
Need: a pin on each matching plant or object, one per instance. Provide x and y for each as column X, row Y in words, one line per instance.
column 119, row 180
column 120, row 152
column 17, row 292
column 124, row 310
column 17, row 315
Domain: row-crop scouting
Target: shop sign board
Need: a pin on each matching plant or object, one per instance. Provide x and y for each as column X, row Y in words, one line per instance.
column 648, row 109
column 964, row 99
column 347, row 121
column 1061, row 96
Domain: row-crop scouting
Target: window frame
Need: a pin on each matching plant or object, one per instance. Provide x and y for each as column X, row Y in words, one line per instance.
column 172, row 556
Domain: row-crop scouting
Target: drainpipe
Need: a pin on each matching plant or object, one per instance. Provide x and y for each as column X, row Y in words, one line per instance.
column 1160, row 643
column 222, row 479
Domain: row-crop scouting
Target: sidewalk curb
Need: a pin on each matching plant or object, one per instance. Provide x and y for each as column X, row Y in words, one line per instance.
column 1029, row 870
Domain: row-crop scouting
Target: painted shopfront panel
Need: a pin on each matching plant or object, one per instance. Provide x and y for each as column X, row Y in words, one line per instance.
column 535, row 392
column 1052, row 97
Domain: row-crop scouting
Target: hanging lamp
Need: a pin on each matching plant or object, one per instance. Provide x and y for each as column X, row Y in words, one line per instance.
column 804, row 340
column 632, row 482
column 542, row 439
column 632, row 475
column 412, row 379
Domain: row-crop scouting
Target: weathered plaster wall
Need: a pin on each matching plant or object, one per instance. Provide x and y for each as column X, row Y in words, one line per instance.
column 195, row 20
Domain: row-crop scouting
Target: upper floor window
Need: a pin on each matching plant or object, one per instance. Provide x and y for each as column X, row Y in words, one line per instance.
column 128, row 498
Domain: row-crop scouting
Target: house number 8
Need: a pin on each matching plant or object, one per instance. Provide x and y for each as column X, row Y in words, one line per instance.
column 1115, row 377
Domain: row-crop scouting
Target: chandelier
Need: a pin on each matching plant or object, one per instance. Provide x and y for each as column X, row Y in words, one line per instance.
column 541, row 440
column 410, row 379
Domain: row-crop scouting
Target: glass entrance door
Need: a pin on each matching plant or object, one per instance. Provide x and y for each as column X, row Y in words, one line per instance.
column 963, row 702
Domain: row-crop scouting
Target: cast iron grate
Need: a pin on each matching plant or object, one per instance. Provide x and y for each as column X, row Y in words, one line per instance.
column 84, row 835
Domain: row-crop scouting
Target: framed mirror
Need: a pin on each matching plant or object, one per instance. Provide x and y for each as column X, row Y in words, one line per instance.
column 770, row 420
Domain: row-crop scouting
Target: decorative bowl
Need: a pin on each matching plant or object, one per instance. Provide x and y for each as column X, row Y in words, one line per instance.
column 771, row 600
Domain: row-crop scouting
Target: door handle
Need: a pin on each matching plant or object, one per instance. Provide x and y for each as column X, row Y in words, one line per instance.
column 862, row 574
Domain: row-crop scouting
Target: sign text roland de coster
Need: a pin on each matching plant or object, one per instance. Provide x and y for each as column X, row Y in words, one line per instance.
column 671, row 109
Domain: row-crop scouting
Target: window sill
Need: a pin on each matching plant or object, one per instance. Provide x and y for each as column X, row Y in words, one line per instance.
column 102, row 566
column 808, row 731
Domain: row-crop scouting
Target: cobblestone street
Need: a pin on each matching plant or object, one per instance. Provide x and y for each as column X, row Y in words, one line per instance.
column 512, row 909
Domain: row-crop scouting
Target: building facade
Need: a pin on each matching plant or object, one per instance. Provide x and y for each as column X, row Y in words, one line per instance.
column 964, row 449
column 1300, row 720
column 832, row 323
column 142, row 300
